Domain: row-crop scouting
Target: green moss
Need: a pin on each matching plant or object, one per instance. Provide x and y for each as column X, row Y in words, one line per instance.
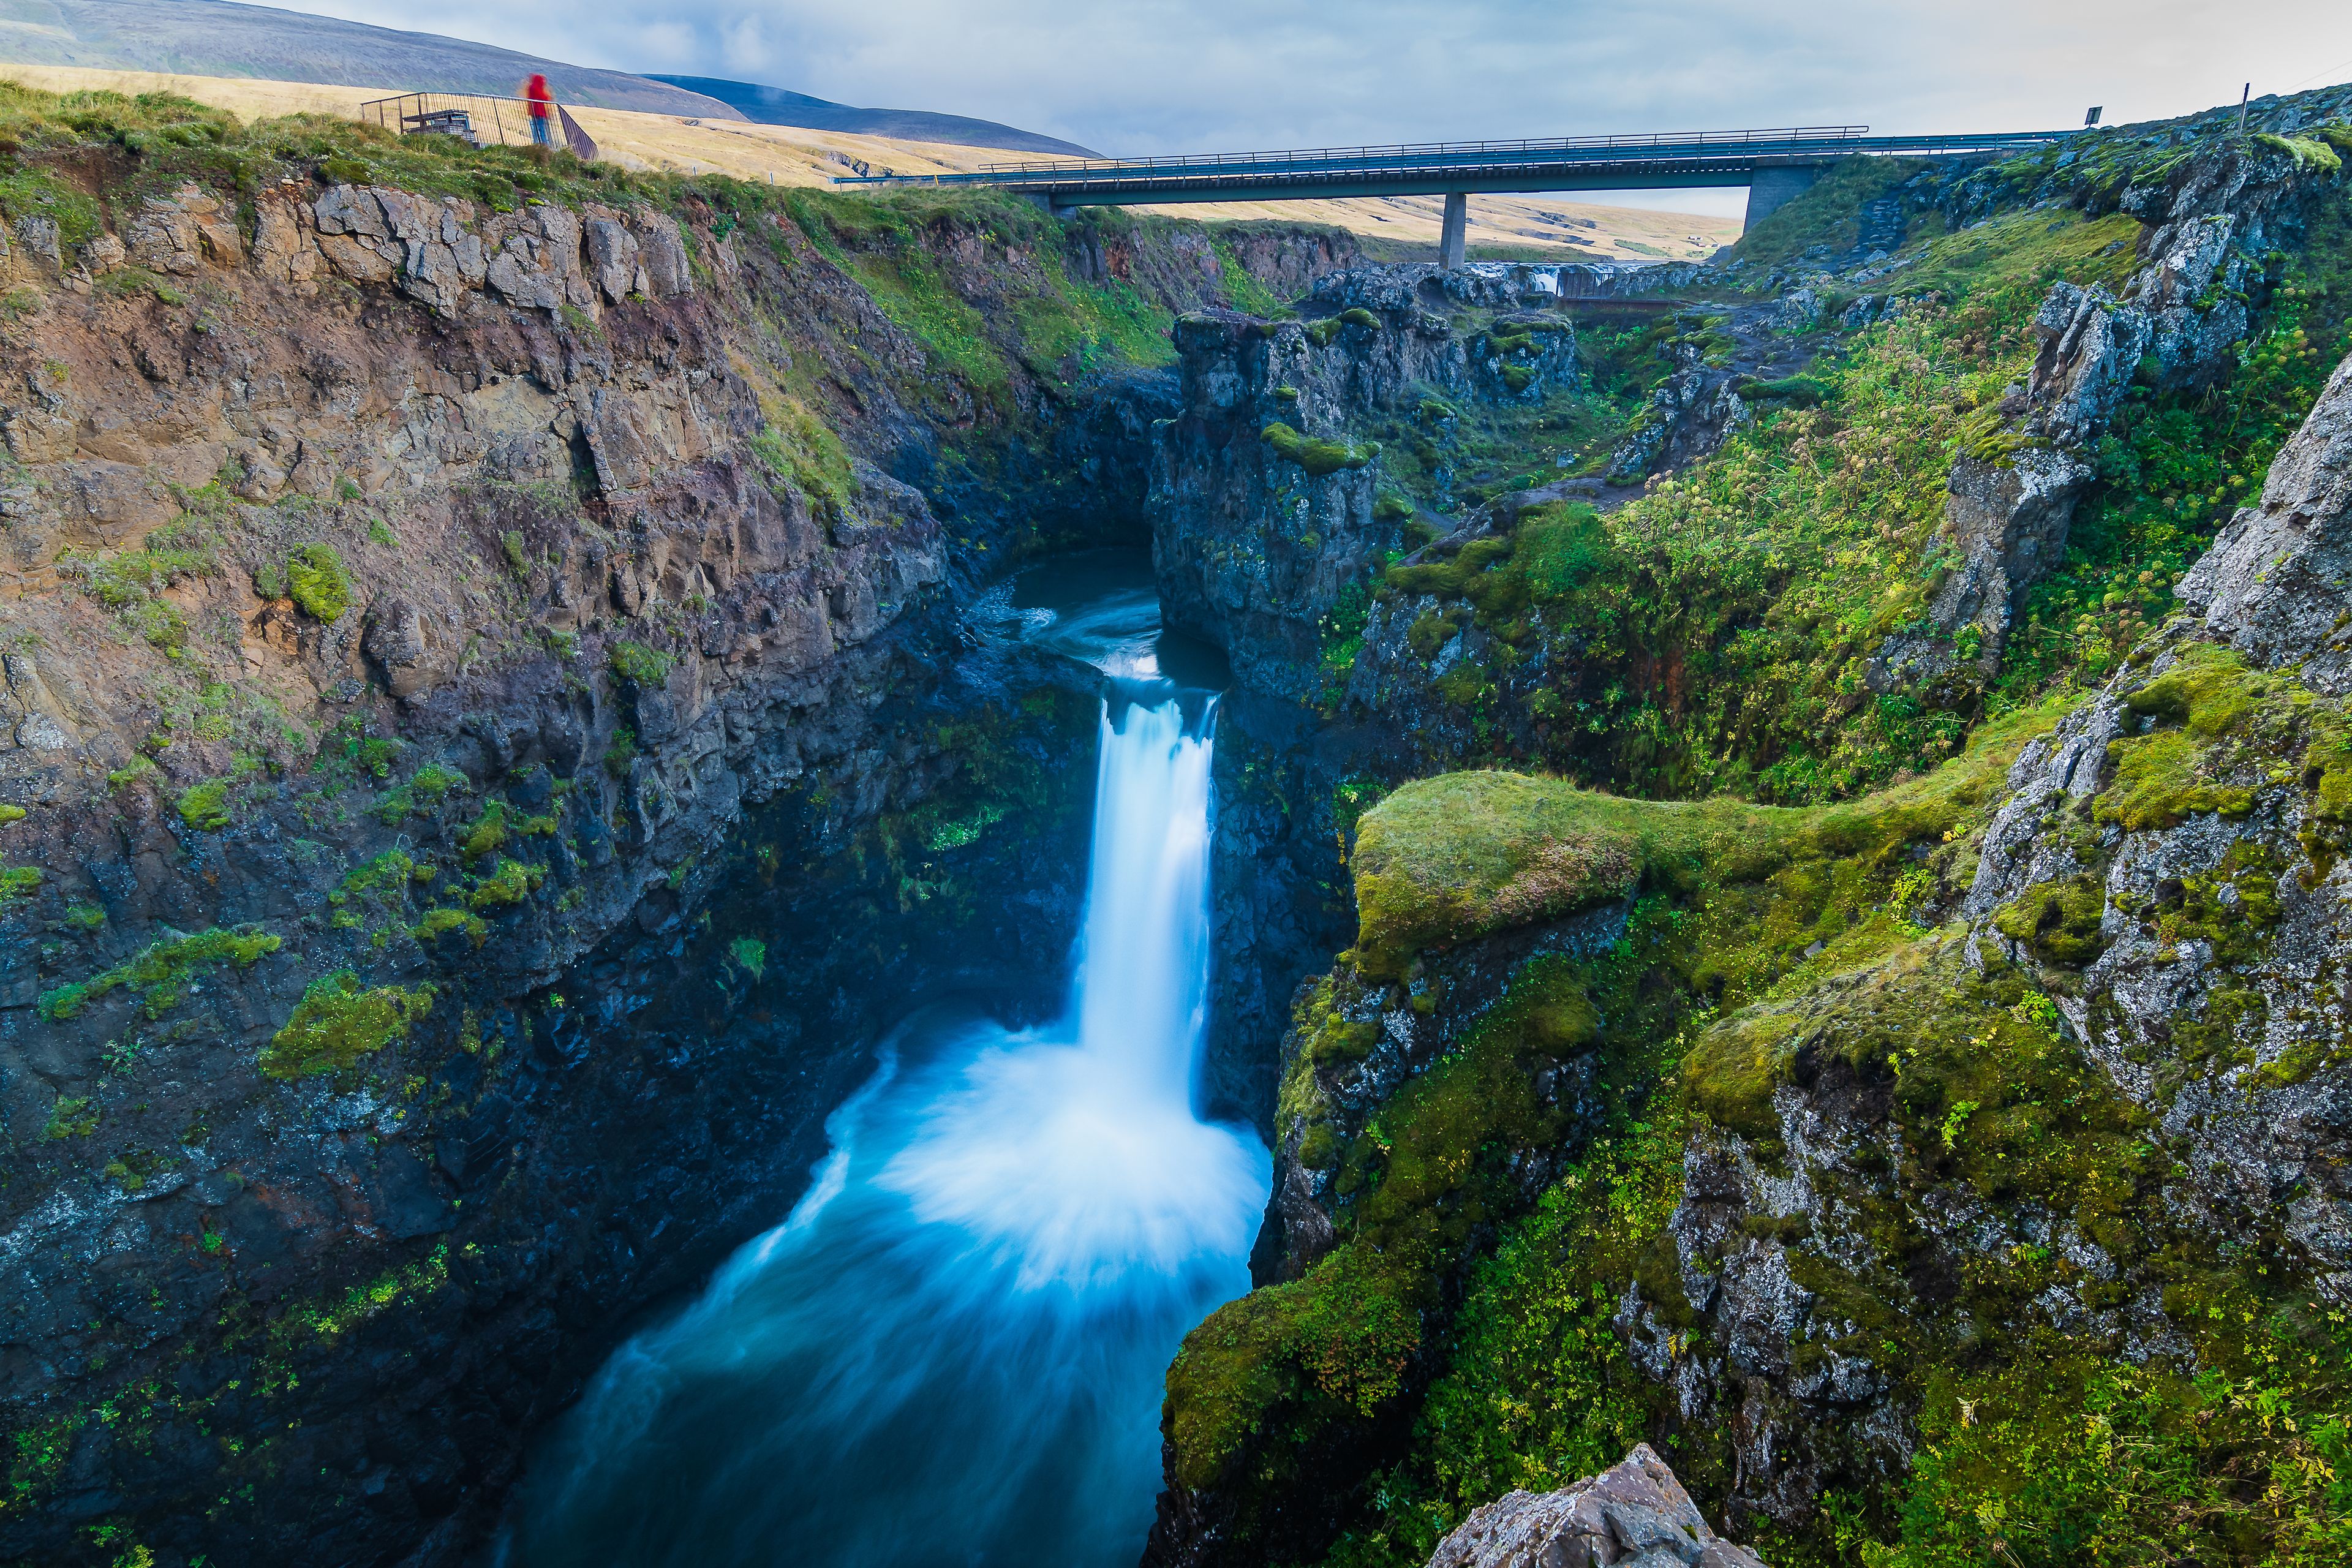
column 513, row 882
column 2059, row 920
column 164, row 973
column 19, row 882
column 422, row 795
column 1447, row 858
column 1390, row 507
column 1731, row 1072
column 338, row 1022
column 486, row 834
column 205, row 807
column 2157, row 785
column 9, row 813
column 316, row 582
column 640, row 666
column 70, row 1118
column 2311, row 155
column 749, row 955
column 1338, row 1340
column 436, row 922
column 1312, row 453
column 1796, row 391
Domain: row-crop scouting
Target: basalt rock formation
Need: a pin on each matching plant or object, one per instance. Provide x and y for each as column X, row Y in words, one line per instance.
column 1870, row 1024
column 489, row 737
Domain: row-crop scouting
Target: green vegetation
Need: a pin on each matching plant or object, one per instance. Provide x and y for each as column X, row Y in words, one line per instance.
column 511, row 884
column 338, row 1022
column 640, row 666
column 1714, row 635
column 1448, row 859
column 1830, row 214
column 205, row 806
column 750, row 955
column 1314, row 453
column 19, row 882
column 425, row 792
column 164, row 973
column 1774, row 950
column 316, row 581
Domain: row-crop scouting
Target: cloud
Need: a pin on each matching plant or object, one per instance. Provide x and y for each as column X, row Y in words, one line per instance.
column 1215, row 75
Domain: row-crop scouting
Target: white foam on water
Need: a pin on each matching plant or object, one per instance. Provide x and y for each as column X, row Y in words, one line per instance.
column 952, row 1348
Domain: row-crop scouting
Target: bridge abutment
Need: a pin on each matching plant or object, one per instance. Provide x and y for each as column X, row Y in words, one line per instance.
column 1454, row 240
column 1772, row 189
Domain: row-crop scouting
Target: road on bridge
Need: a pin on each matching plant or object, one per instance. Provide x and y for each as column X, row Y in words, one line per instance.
column 1775, row 165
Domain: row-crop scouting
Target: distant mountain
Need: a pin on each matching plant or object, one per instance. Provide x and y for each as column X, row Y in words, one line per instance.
column 215, row 38
column 774, row 106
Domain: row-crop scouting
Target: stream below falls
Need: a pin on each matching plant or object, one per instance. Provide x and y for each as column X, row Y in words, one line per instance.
column 952, row 1350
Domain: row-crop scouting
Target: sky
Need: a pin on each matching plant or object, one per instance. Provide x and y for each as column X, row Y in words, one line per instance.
column 1129, row 77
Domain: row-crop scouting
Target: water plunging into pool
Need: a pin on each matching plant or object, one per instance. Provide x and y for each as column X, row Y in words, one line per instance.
column 952, row 1350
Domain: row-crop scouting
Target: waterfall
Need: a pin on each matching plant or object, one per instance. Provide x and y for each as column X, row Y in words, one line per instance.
column 952, row 1349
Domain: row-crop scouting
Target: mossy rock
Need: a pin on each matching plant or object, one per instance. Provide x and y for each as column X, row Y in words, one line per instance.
column 338, row 1022
column 1313, row 453
column 316, row 581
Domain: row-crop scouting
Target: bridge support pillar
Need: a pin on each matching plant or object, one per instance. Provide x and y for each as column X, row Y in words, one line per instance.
column 1454, row 240
column 1773, row 189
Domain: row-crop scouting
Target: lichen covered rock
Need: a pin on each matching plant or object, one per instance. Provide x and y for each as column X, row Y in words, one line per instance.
column 1634, row 1515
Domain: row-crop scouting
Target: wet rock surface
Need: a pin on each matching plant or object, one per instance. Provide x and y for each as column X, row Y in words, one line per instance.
column 591, row 775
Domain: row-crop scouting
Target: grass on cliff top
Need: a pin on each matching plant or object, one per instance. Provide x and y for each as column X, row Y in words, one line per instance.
column 1446, row 860
column 1828, row 213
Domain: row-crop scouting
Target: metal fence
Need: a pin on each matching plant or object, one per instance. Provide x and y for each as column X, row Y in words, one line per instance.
column 480, row 118
column 1419, row 153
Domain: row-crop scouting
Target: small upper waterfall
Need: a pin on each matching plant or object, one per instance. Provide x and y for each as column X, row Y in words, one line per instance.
column 952, row 1350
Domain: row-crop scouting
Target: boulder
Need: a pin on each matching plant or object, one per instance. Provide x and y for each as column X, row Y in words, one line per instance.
column 612, row 257
column 662, row 253
column 2008, row 519
column 2091, row 348
column 1635, row 1515
column 2273, row 583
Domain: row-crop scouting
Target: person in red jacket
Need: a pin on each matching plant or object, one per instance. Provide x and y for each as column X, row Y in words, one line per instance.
column 543, row 104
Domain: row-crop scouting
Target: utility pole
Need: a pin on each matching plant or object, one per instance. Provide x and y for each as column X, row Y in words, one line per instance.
column 2242, row 98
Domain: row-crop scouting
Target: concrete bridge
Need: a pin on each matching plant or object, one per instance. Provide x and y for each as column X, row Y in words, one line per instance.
column 1775, row 165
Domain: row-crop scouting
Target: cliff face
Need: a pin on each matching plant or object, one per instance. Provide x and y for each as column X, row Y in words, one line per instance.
column 489, row 738
column 1947, row 1156
column 1264, row 502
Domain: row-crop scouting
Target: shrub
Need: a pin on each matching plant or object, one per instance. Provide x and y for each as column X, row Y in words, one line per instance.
column 619, row 752
column 640, row 666
column 318, row 582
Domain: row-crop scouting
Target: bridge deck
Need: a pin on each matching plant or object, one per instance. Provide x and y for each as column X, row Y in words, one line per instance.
column 1566, row 163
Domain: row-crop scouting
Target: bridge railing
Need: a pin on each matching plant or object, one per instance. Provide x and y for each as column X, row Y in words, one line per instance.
column 1423, row 152
column 1674, row 153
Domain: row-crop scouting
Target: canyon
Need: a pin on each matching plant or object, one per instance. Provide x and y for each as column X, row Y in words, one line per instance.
column 1773, row 831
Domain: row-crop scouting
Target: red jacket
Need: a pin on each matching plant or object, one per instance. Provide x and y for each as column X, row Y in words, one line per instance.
column 540, row 96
